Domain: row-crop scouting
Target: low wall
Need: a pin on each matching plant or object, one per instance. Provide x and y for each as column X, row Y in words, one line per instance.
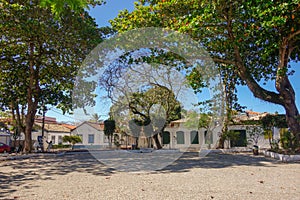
column 281, row 157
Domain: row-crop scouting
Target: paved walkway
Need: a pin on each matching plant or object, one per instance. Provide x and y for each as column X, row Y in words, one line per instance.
column 216, row 176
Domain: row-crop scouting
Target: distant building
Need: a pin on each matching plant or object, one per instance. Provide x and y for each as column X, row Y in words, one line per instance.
column 52, row 131
column 48, row 120
column 92, row 135
column 177, row 136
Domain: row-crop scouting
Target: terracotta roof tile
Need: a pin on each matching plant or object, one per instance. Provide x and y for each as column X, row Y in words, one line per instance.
column 54, row 127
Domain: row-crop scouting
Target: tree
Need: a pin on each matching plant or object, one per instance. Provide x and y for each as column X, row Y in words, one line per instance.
column 257, row 40
column 269, row 122
column 143, row 107
column 109, row 129
column 72, row 139
column 95, row 117
column 40, row 57
column 151, row 109
column 58, row 6
column 135, row 127
column 255, row 132
column 143, row 93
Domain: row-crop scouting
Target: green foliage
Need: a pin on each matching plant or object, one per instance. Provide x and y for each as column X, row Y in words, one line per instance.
column 288, row 141
column 205, row 120
column 192, row 119
column 251, row 41
column 61, row 146
column 95, row 117
column 109, row 127
column 117, row 140
column 143, row 104
column 249, row 122
column 40, row 56
column 275, row 145
column 152, row 108
column 58, row 48
column 58, row 6
column 269, row 121
column 72, row 139
column 255, row 132
column 195, row 120
column 231, row 135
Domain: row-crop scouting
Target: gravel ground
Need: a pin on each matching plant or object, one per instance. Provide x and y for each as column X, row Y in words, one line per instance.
column 216, row 176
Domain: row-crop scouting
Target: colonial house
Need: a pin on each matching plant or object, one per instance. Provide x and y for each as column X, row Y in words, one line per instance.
column 245, row 139
column 52, row 131
column 92, row 135
column 241, row 125
column 178, row 136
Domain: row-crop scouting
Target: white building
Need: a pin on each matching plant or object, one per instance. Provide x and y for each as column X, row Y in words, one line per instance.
column 92, row 135
column 177, row 136
column 53, row 132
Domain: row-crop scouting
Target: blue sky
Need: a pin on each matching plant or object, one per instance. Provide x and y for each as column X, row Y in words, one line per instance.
column 110, row 10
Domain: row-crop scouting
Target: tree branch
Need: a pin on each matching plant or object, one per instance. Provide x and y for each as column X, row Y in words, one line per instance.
column 222, row 61
column 245, row 75
column 291, row 36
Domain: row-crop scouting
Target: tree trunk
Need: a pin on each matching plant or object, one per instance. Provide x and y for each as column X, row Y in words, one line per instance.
column 28, row 140
column 292, row 116
column 29, row 120
column 33, row 92
column 157, row 142
column 286, row 94
column 221, row 142
column 137, row 142
column 286, row 91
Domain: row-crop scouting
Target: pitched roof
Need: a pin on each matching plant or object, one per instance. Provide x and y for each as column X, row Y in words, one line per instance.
column 51, row 127
column 96, row 125
column 250, row 115
column 69, row 126
column 250, row 112
column 39, row 119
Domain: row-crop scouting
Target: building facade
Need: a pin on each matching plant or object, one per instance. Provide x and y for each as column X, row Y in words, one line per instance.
column 92, row 135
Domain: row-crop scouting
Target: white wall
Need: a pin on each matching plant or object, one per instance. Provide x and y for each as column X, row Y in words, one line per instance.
column 85, row 130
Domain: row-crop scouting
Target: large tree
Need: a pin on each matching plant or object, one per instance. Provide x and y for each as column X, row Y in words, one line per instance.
column 154, row 109
column 151, row 109
column 255, row 39
column 58, row 6
column 40, row 56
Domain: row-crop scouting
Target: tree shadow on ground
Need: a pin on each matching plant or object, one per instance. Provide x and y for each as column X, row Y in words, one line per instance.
column 217, row 160
column 44, row 168
column 21, row 173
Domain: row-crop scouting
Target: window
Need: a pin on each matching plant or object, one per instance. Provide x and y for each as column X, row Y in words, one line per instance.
column 180, row 137
column 60, row 139
column 166, row 137
column 194, row 137
column 208, row 138
column 240, row 139
column 91, row 138
column 53, row 139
